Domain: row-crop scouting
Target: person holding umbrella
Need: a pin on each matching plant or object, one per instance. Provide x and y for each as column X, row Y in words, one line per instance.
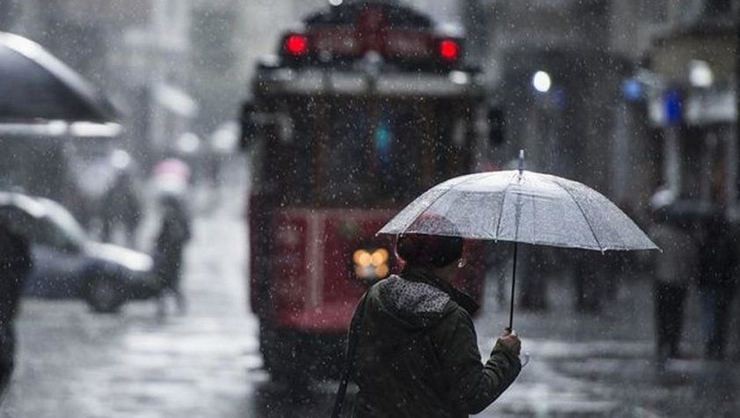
column 417, row 352
column 516, row 206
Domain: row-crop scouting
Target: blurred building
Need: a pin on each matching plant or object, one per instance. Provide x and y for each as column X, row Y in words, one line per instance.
column 556, row 68
column 692, row 99
column 136, row 51
column 178, row 69
column 174, row 67
column 590, row 88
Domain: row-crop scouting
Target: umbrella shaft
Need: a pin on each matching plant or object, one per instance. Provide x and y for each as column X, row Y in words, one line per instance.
column 513, row 285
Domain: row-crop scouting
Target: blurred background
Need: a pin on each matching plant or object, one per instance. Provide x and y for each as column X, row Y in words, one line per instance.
column 629, row 97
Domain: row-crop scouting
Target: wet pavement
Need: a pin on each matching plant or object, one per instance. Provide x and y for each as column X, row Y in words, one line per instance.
column 603, row 365
column 206, row 363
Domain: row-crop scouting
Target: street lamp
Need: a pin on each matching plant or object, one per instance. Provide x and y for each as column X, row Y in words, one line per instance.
column 541, row 81
column 700, row 74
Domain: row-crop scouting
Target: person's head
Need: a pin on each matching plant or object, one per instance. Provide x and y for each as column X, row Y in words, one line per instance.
column 433, row 252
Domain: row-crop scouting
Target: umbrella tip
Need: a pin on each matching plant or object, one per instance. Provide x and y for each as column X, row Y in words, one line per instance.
column 521, row 161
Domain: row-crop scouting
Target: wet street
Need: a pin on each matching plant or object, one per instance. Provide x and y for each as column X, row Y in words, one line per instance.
column 206, row 363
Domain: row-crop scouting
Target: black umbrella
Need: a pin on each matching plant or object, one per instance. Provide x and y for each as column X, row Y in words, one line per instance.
column 37, row 89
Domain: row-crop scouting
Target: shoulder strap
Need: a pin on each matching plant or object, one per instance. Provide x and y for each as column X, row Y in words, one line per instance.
column 349, row 361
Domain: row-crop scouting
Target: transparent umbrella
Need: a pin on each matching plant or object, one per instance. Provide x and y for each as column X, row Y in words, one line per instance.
column 522, row 207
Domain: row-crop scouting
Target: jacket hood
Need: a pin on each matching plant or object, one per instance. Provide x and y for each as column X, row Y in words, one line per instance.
column 412, row 304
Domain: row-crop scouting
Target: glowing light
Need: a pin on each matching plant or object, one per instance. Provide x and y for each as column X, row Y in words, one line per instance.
column 541, row 81
column 449, row 50
column 700, row 74
column 382, row 271
column 120, row 159
column 188, row 143
column 356, row 256
column 362, row 258
column 379, row 257
column 296, row 45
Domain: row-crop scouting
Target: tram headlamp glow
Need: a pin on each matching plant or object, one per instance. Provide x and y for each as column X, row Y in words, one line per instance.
column 382, row 271
column 362, row 258
column 371, row 264
column 379, row 257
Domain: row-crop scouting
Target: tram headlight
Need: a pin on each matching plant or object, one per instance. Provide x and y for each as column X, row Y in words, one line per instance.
column 379, row 257
column 362, row 258
column 371, row 264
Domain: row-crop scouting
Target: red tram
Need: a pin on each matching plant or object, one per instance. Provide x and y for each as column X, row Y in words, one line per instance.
column 364, row 108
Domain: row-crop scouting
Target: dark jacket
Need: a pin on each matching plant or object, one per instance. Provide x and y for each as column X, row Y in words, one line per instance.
column 718, row 256
column 173, row 236
column 417, row 353
column 15, row 264
column 174, row 232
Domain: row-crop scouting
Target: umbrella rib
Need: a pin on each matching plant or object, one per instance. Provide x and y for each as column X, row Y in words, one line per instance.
column 501, row 214
column 578, row 205
column 437, row 198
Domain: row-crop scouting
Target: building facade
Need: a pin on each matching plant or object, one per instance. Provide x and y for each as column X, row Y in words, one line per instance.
column 610, row 66
column 693, row 61
column 556, row 68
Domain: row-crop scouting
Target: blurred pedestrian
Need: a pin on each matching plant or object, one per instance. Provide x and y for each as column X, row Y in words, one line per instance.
column 15, row 264
column 590, row 272
column 121, row 209
column 174, row 234
column 416, row 348
column 532, row 283
column 673, row 272
column 717, row 281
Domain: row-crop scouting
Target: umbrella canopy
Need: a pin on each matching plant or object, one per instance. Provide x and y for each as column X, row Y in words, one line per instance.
column 36, row 89
column 520, row 206
column 524, row 207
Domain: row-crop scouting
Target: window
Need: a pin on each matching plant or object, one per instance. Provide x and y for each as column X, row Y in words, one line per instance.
column 370, row 153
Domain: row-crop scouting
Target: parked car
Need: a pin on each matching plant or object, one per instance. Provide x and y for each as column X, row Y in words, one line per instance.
column 67, row 264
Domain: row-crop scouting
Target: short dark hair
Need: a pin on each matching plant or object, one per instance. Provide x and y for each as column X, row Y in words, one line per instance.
column 429, row 250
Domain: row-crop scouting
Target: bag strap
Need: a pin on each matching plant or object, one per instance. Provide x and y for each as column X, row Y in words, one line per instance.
column 349, row 361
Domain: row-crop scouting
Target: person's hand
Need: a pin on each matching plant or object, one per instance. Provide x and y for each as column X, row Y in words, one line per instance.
column 510, row 340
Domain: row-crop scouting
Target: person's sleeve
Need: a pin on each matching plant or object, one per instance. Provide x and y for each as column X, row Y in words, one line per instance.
column 473, row 385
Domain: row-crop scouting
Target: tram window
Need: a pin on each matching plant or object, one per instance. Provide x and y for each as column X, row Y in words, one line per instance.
column 373, row 159
column 286, row 160
column 347, row 174
column 348, row 152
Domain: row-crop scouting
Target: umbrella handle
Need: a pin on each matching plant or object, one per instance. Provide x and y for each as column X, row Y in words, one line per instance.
column 513, row 285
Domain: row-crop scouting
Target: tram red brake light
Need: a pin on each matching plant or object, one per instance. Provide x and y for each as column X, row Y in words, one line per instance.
column 296, row 44
column 449, row 50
